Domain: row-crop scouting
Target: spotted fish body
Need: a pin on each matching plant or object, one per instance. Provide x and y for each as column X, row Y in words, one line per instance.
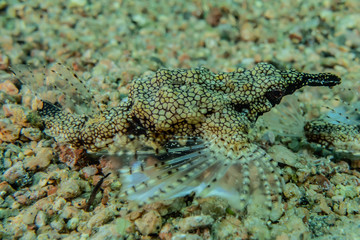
column 197, row 123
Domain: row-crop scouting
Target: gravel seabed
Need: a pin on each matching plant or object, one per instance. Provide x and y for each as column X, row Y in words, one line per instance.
column 44, row 187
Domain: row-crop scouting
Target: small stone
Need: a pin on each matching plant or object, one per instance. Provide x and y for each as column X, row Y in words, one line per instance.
column 349, row 191
column 29, row 215
column 214, row 17
column 149, row 223
column 324, row 206
column 282, row 236
column 258, row 227
column 29, row 235
column 31, row 133
column 283, row 155
column 277, row 211
column 247, row 32
column 9, row 132
column 77, row 3
column 49, row 234
column 3, row 4
column 213, row 206
column 8, row 87
column 5, row 189
column 292, row 191
column 69, row 189
column 72, row 223
column 16, row 113
column 89, row 171
column 340, row 208
column 303, row 174
column 14, row 173
column 352, row 207
column 186, row 236
column 40, row 161
column 296, row 227
column 79, row 203
column 229, row 228
column 59, row 204
column 69, row 212
column 74, row 158
column 195, row 222
column 295, row 37
column 58, row 224
column 41, row 219
column 166, row 232
column 270, row 13
column 100, row 218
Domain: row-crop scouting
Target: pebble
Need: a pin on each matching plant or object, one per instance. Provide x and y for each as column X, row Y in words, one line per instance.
column 292, row 191
column 59, row 204
column 69, row 189
column 58, row 224
column 348, row 191
column 340, row 208
column 89, row 171
column 72, row 223
column 277, row 211
column 352, row 207
column 195, row 222
column 324, row 206
column 41, row 219
column 77, row 3
column 16, row 113
column 257, row 226
column 213, row 206
column 8, row 87
column 296, row 227
column 41, row 160
column 14, row 173
column 49, row 235
column 283, row 155
column 29, row 215
column 229, row 228
column 114, row 230
column 33, row 134
column 29, row 235
column 100, row 218
column 5, row 189
column 149, row 223
column 186, row 236
column 9, row 132
column 166, row 232
column 69, row 212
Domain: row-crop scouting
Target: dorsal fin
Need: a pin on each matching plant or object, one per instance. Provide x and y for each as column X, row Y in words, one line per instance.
column 58, row 84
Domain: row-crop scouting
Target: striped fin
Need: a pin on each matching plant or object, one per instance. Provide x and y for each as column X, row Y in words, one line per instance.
column 251, row 176
column 174, row 173
column 205, row 168
column 285, row 119
column 58, row 84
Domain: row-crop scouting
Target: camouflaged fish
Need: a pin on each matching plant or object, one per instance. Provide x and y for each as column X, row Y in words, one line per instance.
column 337, row 128
column 196, row 125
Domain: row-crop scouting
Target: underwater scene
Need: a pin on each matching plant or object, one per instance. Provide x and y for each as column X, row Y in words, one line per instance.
column 179, row 120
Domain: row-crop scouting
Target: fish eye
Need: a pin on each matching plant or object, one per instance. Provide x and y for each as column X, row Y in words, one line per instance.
column 274, row 96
